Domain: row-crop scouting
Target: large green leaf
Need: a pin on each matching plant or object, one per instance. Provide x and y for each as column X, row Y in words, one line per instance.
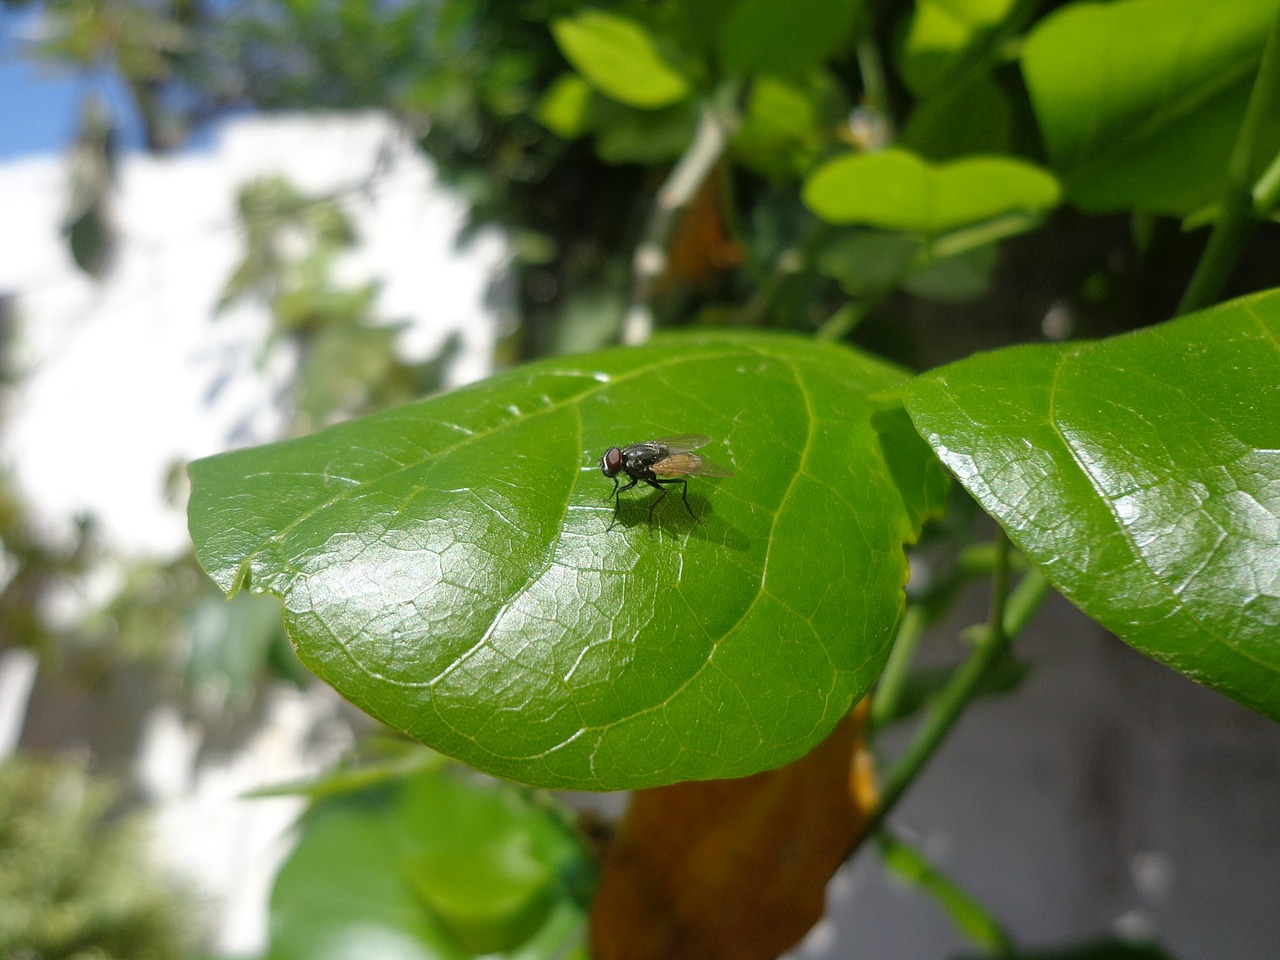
column 896, row 190
column 429, row 868
column 1140, row 100
column 448, row 565
column 619, row 58
column 1143, row 474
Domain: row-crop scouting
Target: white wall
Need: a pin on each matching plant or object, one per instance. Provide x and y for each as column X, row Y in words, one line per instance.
column 125, row 378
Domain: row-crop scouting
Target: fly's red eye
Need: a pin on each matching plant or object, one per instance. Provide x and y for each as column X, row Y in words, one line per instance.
column 611, row 462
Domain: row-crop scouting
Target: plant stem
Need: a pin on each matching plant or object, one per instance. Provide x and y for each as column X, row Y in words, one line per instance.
column 970, row 917
column 991, row 643
column 1239, row 215
column 893, row 679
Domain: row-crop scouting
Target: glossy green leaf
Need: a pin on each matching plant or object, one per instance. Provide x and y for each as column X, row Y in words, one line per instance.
column 448, row 566
column 429, row 866
column 1140, row 101
column 1142, row 474
column 896, row 190
column 619, row 58
column 764, row 36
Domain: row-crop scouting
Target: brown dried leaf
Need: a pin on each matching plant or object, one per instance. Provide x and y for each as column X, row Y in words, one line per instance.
column 733, row 868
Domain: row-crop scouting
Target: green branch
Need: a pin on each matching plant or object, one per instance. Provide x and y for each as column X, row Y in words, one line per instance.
column 1010, row 613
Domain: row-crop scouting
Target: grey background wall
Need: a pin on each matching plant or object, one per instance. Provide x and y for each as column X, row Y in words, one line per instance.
column 1106, row 796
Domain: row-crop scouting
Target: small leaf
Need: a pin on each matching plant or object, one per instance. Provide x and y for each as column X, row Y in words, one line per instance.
column 896, row 190
column 1142, row 474
column 673, row 882
column 1140, row 100
column 448, row 566
column 619, row 58
column 563, row 109
column 780, row 134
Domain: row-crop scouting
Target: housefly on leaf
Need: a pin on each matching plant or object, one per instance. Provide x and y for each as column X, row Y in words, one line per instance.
column 659, row 463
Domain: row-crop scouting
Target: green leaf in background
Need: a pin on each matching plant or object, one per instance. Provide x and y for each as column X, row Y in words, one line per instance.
column 764, row 36
column 448, row 566
column 973, row 117
column 1142, row 474
column 872, row 262
column 619, row 58
column 1140, row 101
column 564, row 107
column 896, row 190
column 429, row 866
column 780, row 134
column 627, row 135
column 941, row 33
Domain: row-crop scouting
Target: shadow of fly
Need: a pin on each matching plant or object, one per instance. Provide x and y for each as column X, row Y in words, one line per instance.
column 659, row 463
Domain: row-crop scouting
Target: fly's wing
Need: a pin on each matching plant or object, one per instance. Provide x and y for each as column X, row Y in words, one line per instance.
column 683, row 443
column 681, row 463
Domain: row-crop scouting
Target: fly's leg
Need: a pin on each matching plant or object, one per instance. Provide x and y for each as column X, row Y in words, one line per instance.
column 685, row 498
column 661, row 485
column 617, row 500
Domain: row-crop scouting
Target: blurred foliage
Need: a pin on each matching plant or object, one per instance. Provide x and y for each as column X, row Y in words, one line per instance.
column 345, row 356
column 452, row 866
column 74, row 879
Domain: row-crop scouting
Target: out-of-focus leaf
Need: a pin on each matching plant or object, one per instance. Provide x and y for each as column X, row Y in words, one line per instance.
column 896, row 190
column 869, row 262
column 619, row 58
column 764, row 36
column 1142, row 474
column 960, row 119
column 449, row 567
column 673, row 880
column 966, row 276
column 624, row 135
column 88, row 224
column 429, row 866
column 941, row 33
column 780, row 135
column 563, row 109
column 1140, row 100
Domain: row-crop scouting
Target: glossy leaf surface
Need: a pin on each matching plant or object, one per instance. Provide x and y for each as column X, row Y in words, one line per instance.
column 1140, row 101
column 448, row 566
column 1143, row 474
column 896, row 190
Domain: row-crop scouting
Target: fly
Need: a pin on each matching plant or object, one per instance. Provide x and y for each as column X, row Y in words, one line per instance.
column 659, row 463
